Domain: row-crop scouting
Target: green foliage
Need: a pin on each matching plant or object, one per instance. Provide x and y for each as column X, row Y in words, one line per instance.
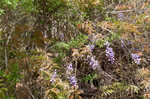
column 28, row 5
column 9, row 3
column 89, row 6
column 56, row 90
column 90, row 77
column 25, row 5
column 59, row 58
column 1, row 11
column 114, row 36
column 133, row 88
column 79, row 41
column 14, row 74
column 55, row 4
column 24, row 53
column 62, row 48
column 3, row 89
column 119, row 87
column 100, row 42
column 11, row 78
column 111, row 19
column 51, row 6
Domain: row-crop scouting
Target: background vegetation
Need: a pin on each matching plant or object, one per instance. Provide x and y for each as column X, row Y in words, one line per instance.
column 74, row 49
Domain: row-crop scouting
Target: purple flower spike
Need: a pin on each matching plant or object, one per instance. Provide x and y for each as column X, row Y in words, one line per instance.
column 53, row 76
column 94, row 63
column 70, row 67
column 94, row 66
column 120, row 16
column 109, row 53
column 136, row 58
column 91, row 47
column 130, row 42
column 73, row 80
column 62, row 36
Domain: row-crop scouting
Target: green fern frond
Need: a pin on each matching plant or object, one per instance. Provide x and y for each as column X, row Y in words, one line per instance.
column 78, row 41
column 133, row 88
column 3, row 90
column 62, row 45
column 119, row 87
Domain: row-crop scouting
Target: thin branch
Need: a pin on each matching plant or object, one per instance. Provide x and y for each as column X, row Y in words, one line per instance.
column 6, row 58
column 124, row 11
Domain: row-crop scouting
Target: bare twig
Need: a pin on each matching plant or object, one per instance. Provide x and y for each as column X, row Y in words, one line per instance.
column 124, row 11
column 6, row 58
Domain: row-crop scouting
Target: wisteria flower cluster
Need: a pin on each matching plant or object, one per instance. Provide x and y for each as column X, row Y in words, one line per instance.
column 109, row 53
column 91, row 47
column 120, row 16
column 136, row 58
column 52, row 80
column 69, row 69
column 72, row 79
column 93, row 62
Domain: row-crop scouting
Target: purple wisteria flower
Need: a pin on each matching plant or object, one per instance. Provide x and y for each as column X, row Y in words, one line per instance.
column 70, row 68
column 73, row 80
column 130, row 42
column 94, row 63
column 120, row 16
column 136, row 58
column 62, row 36
column 109, row 53
column 91, row 47
column 52, row 80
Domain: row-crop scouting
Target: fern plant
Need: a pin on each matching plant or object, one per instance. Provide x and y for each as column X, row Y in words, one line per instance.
column 89, row 77
column 62, row 48
column 79, row 41
column 57, row 89
column 118, row 87
column 3, row 89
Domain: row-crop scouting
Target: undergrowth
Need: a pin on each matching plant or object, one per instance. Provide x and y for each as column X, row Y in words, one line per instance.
column 78, row 49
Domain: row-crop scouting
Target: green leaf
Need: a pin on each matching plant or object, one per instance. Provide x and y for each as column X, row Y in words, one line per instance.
column 63, row 45
column 4, row 89
column 1, row 11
